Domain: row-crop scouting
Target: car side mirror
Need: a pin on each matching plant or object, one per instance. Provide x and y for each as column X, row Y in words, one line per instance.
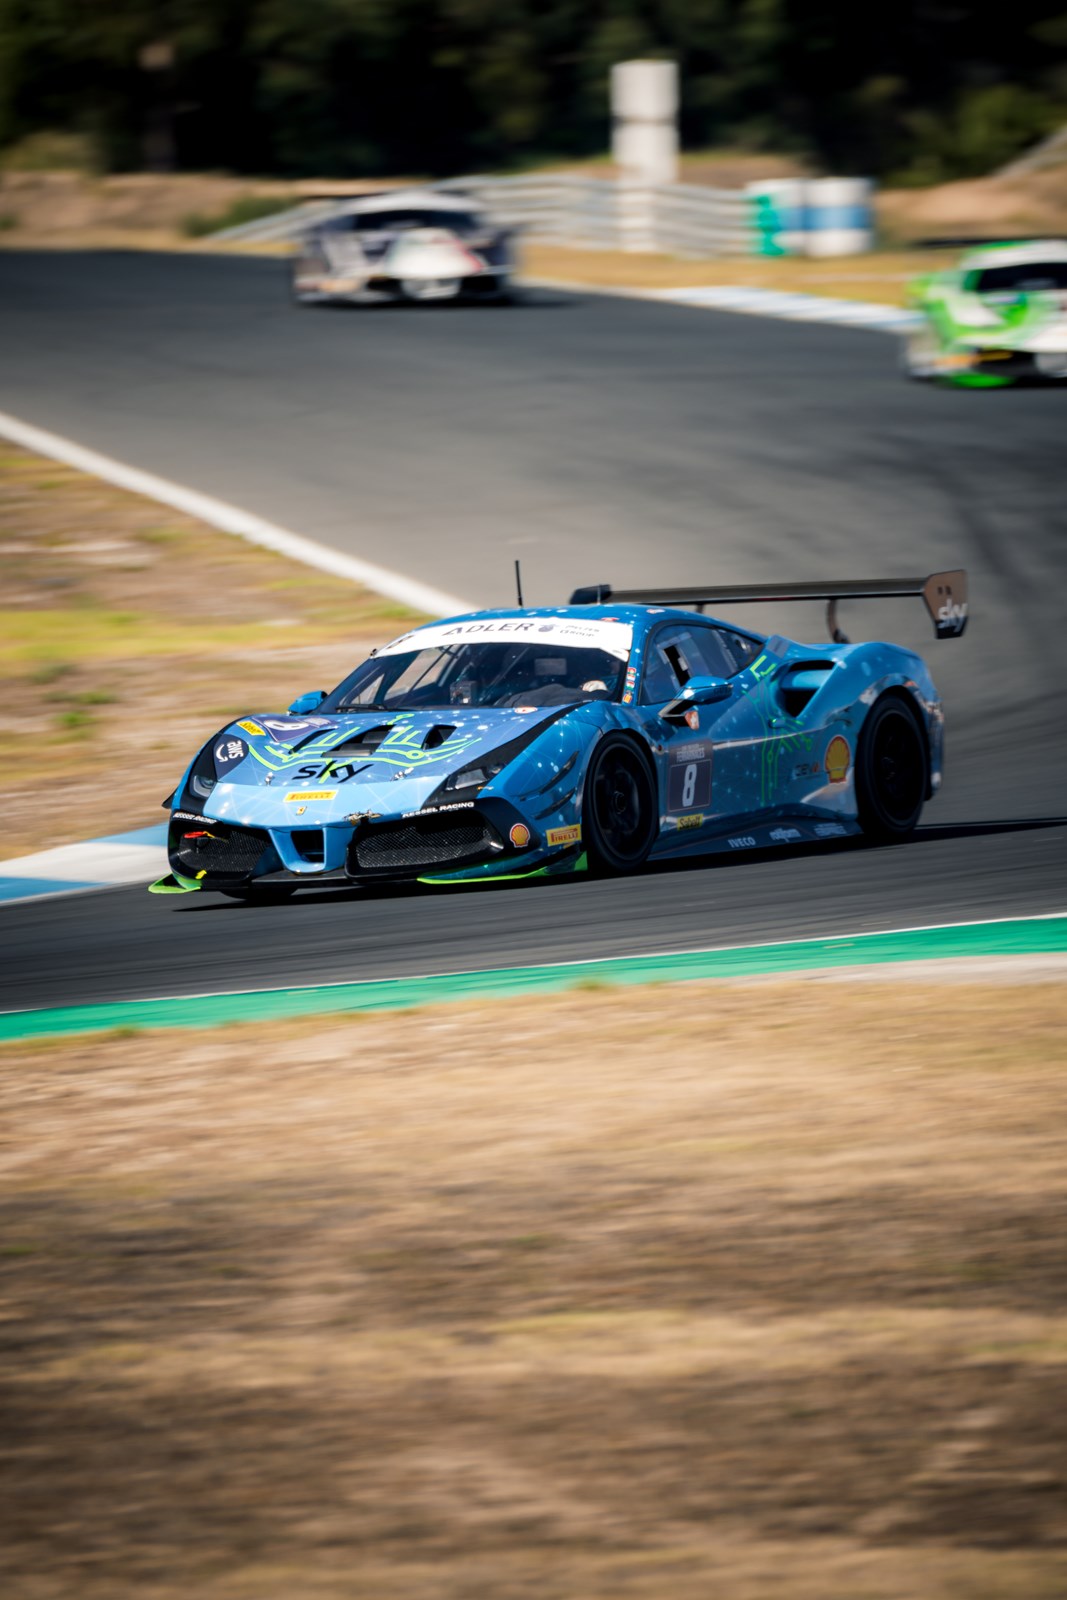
column 307, row 702
column 697, row 692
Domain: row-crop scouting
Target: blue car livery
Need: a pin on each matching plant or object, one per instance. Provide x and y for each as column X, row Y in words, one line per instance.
column 619, row 728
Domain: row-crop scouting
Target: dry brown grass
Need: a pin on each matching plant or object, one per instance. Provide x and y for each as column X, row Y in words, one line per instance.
column 731, row 1292
column 129, row 633
column 1032, row 205
column 882, row 277
column 138, row 210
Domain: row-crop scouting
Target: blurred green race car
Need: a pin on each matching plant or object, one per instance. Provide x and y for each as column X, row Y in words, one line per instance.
column 999, row 317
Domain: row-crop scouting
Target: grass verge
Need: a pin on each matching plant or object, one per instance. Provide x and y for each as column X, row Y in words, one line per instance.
column 245, row 208
column 735, row 1292
column 881, row 276
column 129, row 633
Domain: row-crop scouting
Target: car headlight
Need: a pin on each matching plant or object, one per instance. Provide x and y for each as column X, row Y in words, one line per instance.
column 483, row 769
column 471, row 777
column 216, row 760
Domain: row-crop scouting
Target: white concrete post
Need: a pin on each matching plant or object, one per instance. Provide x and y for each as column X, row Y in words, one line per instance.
column 644, row 143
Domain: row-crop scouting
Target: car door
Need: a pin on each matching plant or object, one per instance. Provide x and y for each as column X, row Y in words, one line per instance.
column 706, row 759
column 767, row 743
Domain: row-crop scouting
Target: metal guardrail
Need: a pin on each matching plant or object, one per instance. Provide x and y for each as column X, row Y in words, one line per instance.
column 585, row 213
column 560, row 210
column 691, row 221
column 606, row 214
column 281, row 225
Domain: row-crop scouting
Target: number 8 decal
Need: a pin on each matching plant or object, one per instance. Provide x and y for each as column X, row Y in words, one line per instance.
column 689, row 778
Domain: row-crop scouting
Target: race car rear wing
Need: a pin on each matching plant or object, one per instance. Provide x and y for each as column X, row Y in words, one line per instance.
column 944, row 594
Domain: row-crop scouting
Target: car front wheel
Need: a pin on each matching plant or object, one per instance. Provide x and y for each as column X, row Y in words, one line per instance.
column 919, row 355
column 619, row 812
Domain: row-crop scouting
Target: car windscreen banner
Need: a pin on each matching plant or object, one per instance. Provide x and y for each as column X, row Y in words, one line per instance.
column 592, row 633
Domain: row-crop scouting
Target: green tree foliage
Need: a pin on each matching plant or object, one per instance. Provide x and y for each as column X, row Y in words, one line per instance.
column 920, row 88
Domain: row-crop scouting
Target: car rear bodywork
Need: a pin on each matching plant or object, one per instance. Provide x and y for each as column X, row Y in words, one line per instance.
column 410, row 245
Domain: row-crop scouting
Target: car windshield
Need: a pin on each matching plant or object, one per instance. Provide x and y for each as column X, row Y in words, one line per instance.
column 1030, row 278
column 498, row 673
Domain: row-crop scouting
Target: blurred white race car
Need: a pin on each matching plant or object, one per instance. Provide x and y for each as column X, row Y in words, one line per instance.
column 410, row 244
column 999, row 317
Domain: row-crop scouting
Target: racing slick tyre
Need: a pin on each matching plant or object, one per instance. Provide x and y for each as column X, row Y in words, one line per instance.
column 301, row 267
column 619, row 810
column 918, row 356
column 892, row 770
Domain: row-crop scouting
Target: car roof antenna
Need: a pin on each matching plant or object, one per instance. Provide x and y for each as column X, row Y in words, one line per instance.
column 518, row 581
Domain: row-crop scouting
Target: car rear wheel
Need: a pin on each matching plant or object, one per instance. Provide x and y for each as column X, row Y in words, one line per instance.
column 301, row 269
column 619, row 812
column 892, row 771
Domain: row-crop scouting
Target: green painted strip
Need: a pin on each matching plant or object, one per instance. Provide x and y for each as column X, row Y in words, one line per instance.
column 1017, row 937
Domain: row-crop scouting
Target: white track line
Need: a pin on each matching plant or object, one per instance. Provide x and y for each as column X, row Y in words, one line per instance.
column 584, row 961
column 773, row 303
column 622, row 961
column 231, row 519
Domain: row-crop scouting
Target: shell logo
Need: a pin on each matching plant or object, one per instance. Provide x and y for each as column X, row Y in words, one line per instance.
column 838, row 759
column 519, row 835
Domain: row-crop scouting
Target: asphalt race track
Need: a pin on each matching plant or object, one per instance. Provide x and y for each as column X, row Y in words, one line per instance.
column 598, row 439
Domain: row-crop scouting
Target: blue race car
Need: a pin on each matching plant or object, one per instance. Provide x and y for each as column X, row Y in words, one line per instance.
column 622, row 727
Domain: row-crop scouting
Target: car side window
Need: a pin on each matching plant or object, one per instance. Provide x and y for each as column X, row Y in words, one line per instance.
column 716, row 660
column 658, row 683
column 741, row 648
column 675, row 654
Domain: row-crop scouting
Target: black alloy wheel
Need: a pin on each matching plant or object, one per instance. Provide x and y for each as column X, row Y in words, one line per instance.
column 892, row 770
column 619, row 812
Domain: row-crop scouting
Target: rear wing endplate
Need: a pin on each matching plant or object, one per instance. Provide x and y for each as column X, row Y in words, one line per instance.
column 944, row 594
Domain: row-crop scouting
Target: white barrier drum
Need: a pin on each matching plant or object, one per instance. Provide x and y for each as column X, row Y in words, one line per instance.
column 838, row 217
column 811, row 216
column 777, row 215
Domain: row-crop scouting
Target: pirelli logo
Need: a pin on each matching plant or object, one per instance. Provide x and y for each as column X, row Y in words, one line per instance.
column 310, row 794
column 560, row 836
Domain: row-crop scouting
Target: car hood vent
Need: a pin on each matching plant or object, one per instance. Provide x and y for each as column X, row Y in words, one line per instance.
column 361, row 743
